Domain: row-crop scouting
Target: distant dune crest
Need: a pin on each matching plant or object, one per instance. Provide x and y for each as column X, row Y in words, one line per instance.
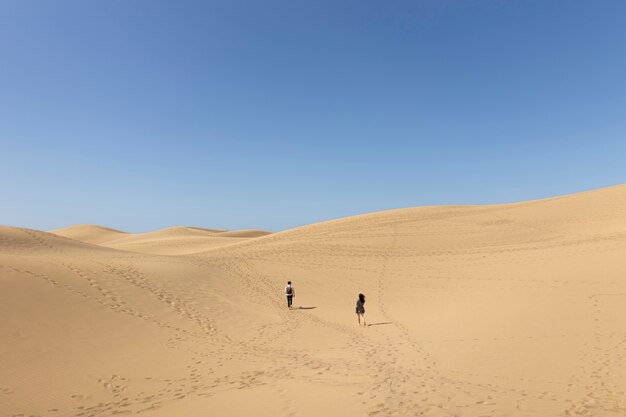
column 89, row 233
column 175, row 240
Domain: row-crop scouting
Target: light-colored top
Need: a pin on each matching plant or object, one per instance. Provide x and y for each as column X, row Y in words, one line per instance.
column 293, row 290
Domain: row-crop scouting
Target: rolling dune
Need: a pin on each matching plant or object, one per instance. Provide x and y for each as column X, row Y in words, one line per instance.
column 178, row 240
column 503, row 310
column 89, row 233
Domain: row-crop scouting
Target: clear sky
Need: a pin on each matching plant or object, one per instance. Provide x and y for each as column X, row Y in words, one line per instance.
column 142, row 114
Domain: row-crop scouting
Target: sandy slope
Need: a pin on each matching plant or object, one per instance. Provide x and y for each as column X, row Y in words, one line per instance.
column 511, row 310
column 177, row 240
column 90, row 233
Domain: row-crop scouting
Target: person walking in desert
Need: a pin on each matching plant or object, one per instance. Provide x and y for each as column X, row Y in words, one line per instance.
column 290, row 292
column 360, row 309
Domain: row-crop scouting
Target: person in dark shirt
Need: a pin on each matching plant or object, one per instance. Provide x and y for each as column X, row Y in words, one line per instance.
column 290, row 292
column 360, row 309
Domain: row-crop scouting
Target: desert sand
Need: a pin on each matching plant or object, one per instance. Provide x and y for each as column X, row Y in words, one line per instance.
column 503, row 310
column 170, row 241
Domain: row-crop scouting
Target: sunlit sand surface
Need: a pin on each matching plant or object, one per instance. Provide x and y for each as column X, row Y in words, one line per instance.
column 506, row 310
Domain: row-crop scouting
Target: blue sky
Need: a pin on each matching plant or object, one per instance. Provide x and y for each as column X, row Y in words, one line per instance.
column 142, row 114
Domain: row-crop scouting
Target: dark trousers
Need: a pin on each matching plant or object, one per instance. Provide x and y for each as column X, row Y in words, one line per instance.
column 289, row 299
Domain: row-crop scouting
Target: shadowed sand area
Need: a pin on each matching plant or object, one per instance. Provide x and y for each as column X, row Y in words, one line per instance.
column 505, row 310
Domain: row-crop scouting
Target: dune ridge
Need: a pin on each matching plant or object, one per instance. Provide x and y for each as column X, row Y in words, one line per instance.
column 89, row 233
column 175, row 240
column 503, row 310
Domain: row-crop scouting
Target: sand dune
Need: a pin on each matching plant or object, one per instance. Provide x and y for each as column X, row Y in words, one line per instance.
column 173, row 245
column 243, row 233
column 89, row 233
column 178, row 240
column 507, row 310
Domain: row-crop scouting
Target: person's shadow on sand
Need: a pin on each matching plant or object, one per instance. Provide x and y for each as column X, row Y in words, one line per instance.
column 380, row 324
column 306, row 308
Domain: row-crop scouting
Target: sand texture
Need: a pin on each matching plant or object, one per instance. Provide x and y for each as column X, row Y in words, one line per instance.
column 170, row 241
column 507, row 310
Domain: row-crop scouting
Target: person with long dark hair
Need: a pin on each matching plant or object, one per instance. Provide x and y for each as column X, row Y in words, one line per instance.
column 360, row 309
